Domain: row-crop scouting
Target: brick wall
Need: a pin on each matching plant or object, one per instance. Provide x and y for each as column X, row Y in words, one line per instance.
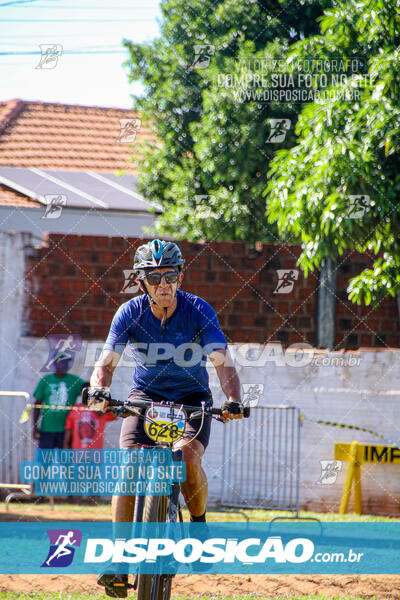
column 74, row 285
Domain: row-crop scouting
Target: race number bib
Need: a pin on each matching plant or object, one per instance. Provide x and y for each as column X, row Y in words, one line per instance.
column 163, row 423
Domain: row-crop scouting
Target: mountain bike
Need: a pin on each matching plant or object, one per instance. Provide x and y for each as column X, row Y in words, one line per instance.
column 164, row 424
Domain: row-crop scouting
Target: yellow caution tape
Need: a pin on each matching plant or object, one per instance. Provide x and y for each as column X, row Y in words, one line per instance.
column 346, row 426
column 27, row 410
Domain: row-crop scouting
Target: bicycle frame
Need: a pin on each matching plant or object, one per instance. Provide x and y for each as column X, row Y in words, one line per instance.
column 159, row 586
column 173, row 507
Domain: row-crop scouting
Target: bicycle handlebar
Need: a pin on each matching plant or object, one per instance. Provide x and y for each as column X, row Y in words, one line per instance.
column 113, row 403
column 189, row 409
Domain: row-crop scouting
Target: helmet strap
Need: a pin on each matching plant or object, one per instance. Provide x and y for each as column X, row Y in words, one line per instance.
column 164, row 320
column 146, row 291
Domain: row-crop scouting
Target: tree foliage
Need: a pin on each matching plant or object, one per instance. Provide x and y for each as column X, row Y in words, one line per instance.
column 208, row 167
column 346, row 147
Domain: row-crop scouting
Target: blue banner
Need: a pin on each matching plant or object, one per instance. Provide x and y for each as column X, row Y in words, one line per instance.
column 142, row 472
column 250, row 548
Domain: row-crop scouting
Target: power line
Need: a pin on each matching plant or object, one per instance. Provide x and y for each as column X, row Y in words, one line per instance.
column 64, row 52
column 76, row 20
column 79, row 7
column 77, row 34
column 28, row 47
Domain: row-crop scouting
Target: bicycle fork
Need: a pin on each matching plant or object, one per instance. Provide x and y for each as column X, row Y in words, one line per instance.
column 174, row 510
column 174, row 507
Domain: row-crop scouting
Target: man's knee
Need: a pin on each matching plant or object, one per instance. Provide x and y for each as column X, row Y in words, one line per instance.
column 193, row 472
column 192, row 453
column 192, row 456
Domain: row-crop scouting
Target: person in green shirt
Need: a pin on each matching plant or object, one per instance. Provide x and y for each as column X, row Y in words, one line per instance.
column 55, row 389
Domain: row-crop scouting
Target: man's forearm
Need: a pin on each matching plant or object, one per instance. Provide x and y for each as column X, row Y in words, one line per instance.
column 35, row 416
column 104, row 369
column 227, row 374
column 230, row 384
column 35, row 419
column 101, row 377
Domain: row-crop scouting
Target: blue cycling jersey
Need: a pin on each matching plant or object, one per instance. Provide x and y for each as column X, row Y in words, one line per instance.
column 172, row 364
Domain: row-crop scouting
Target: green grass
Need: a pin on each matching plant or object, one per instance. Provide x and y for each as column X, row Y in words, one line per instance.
column 90, row 596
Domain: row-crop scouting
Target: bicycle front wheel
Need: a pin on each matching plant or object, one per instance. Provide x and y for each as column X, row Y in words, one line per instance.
column 154, row 587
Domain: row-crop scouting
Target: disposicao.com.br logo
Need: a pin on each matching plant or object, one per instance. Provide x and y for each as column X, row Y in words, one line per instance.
column 62, row 547
column 191, row 549
column 217, row 548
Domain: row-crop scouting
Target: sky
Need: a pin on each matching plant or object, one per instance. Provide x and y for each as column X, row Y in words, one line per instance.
column 88, row 70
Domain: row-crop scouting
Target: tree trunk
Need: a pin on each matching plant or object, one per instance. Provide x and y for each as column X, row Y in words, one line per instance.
column 327, row 305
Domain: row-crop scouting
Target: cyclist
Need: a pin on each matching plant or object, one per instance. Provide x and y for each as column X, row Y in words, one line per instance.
column 165, row 317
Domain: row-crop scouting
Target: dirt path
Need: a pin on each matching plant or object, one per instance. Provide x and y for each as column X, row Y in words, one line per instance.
column 383, row 587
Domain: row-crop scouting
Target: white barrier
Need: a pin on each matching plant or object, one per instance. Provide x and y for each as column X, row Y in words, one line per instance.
column 16, row 444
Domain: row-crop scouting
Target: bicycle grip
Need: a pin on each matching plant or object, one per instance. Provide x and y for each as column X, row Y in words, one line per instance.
column 246, row 412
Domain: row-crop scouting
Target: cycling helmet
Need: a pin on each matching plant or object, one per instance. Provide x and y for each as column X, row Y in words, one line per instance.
column 148, row 257
column 157, row 253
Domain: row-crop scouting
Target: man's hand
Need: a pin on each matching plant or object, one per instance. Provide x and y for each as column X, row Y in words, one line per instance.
column 232, row 409
column 96, row 397
column 36, row 433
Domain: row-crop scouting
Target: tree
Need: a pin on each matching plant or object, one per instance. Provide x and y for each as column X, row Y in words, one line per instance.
column 338, row 188
column 208, row 167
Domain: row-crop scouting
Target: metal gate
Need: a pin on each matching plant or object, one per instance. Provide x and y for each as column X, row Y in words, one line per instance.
column 261, row 459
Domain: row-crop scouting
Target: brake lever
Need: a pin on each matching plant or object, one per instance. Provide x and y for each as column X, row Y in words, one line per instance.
column 195, row 415
column 199, row 413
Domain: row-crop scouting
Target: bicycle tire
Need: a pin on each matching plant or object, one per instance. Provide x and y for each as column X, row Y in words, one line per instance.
column 155, row 511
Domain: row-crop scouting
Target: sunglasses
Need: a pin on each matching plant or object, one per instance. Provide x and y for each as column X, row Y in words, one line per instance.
column 155, row 278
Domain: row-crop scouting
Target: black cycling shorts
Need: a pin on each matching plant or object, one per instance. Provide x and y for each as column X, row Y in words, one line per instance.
column 132, row 430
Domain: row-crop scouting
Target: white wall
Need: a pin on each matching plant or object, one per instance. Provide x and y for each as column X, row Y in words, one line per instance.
column 12, row 276
column 366, row 395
